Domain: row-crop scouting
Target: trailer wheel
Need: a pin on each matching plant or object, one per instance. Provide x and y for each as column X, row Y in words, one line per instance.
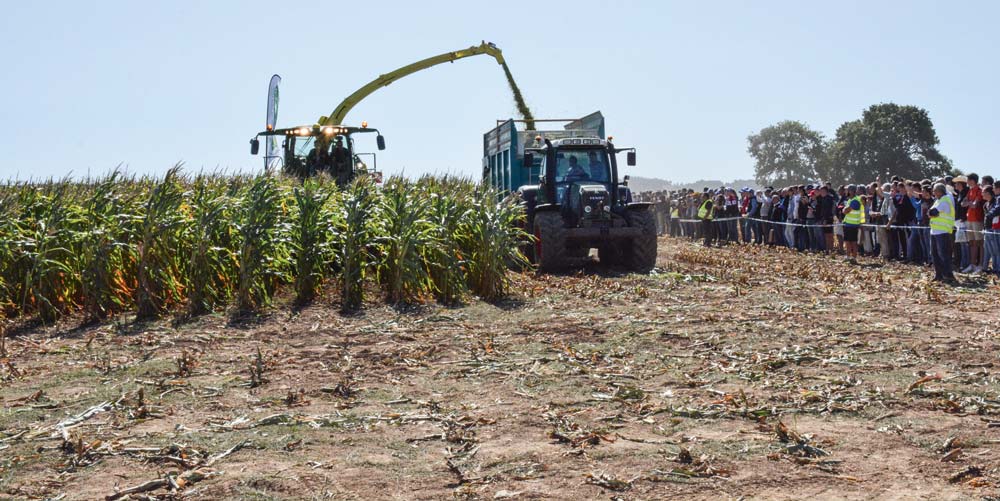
column 641, row 251
column 550, row 241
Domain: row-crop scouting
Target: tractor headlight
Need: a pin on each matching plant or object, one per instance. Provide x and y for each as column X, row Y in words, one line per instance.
column 588, row 209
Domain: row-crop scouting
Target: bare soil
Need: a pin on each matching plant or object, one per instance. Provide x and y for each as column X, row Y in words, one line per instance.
column 729, row 373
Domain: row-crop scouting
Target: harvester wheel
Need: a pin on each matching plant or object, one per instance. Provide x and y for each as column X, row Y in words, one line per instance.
column 550, row 241
column 641, row 254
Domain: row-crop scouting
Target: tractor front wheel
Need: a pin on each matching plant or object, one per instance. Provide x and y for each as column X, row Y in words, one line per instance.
column 641, row 254
column 550, row 241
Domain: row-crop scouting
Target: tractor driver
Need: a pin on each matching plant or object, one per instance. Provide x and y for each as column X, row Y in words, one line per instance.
column 575, row 171
column 340, row 157
column 318, row 158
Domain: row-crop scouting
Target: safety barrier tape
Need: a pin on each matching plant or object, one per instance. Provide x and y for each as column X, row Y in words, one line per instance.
column 800, row 225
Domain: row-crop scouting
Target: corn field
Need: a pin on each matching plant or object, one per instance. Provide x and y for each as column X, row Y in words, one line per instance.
column 192, row 245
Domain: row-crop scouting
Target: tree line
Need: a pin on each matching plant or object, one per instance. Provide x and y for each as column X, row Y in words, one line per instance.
column 889, row 139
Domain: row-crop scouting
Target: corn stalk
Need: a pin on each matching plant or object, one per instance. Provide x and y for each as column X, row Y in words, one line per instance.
column 159, row 272
column 355, row 237
column 406, row 242
column 106, row 255
column 49, row 240
column 211, row 269
column 262, row 251
column 310, row 239
column 491, row 238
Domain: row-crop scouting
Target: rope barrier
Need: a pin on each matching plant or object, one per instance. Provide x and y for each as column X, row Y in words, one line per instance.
column 800, row 225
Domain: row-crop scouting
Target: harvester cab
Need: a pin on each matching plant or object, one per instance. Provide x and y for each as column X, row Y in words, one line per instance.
column 310, row 150
column 574, row 197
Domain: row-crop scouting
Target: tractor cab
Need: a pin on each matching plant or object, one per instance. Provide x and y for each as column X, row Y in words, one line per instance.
column 310, row 150
column 580, row 175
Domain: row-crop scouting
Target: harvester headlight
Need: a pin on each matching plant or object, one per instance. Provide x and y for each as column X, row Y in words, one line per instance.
column 303, row 131
column 269, row 127
column 364, row 124
column 588, row 209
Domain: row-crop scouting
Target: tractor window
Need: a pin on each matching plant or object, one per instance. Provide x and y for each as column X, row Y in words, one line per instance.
column 582, row 165
column 305, row 144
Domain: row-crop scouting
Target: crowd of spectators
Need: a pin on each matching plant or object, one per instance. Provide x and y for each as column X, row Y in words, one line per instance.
column 895, row 220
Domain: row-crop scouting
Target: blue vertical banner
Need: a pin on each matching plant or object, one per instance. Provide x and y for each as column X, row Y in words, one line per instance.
column 272, row 159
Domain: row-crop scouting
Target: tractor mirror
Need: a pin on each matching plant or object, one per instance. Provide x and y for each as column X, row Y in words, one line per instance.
column 529, row 160
column 630, row 159
column 380, row 141
column 254, row 146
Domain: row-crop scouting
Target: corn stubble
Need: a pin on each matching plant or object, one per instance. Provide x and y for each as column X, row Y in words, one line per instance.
column 199, row 244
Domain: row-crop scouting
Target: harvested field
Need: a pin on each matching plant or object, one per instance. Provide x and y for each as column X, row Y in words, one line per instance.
column 729, row 373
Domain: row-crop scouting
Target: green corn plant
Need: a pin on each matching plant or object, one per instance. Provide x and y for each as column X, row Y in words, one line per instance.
column 448, row 203
column 106, row 255
column 491, row 238
column 159, row 270
column 310, row 239
column 263, row 251
column 354, row 240
column 211, row 268
column 9, row 238
column 407, row 242
column 49, row 282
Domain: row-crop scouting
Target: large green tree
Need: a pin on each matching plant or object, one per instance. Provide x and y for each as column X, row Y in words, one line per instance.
column 785, row 153
column 889, row 140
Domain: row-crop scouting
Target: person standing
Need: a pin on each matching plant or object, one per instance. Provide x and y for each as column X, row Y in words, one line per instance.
column 942, row 225
column 675, row 215
column 991, row 234
column 825, row 215
column 838, row 225
column 973, row 204
column 854, row 217
column 901, row 219
column 801, row 230
column 705, row 214
column 914, row 252
column 721, row 224
column 886, row 213
column 766, row 205
column 733, row 214
column 961, row 188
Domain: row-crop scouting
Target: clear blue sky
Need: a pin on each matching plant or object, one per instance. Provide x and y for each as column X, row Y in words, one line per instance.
column 90, row 85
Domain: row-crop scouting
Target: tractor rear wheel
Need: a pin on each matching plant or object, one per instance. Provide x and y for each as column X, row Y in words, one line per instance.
column 550, row 241
column 640, row 254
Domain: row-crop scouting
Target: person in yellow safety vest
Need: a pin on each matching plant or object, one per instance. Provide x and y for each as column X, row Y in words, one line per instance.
column 854, row 217
column 675, row 215
column 942, row 233
column 705, row 214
